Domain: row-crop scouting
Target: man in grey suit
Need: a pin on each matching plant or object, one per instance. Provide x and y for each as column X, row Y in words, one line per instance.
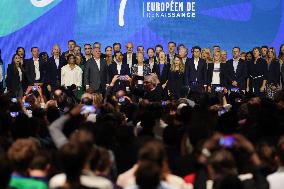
column 95, row 73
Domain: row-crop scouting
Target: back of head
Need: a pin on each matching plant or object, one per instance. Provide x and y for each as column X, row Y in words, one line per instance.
column 148, row 175
column 72, row 157
column 231, row 182
column 21, row 154
column 223, row 164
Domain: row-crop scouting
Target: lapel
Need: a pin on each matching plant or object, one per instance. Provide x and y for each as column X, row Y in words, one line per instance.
column 95, row 65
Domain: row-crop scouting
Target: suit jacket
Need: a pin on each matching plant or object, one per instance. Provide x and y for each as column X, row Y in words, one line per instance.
column 148, row 62
column 274, row 72
column 210, row 68
column 112, row 70
column 134, row 60
column 240, row 75
column 53, row 73
column 30, row 71
column 94, row 77
column 193, row 75
column 13, row 79
column 165, row 72
column 168, row 58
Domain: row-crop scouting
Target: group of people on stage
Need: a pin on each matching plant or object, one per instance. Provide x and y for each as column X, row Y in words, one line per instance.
column 258, row 71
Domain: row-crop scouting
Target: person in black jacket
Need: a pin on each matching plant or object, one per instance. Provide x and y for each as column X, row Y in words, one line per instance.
column 34, row 68
column 151, row 58
column 196, row 71
column 129, row 57
column 53, row 69
column 161, row 68
column 118, row 68
column 257, row 74
column 15, row 77
column 273, row 77
column 216, row 72
column 236, row 71
column 176, row 78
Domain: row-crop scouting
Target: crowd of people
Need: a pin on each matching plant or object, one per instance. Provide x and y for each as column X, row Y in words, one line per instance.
column 118, row 120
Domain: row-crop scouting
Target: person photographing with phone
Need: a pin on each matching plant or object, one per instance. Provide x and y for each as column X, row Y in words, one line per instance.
column 121, row 70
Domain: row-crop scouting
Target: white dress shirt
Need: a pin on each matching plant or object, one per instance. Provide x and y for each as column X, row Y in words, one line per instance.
column 129, row 60
column 216, row 74
column 196, row 60
column 235, row 64
column 98, row 62
column 71, row 76
column 56, row 59
column 118, row 67
column 37, row 72
column 20, row 73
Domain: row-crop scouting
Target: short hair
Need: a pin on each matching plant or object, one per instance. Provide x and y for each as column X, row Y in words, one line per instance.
column 140, row 46
column 237, row 48
column 116, row 43
column 21, row 153
column 196, row 47
column 87, row 44
column 172, row 43
column 150, row 49
column 108, row 47
column 78, row 46
column 216, row 46
column 69, row 56
column 71, row 40
column 33, row 48
column 159, row 46
column 180, row 45
column 118, row 52
column 264, row 46
column 97, row 43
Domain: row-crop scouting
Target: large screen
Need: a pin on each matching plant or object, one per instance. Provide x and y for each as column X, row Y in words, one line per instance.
column 228, row 23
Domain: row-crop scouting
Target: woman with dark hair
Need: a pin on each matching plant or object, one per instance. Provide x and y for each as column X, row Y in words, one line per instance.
column 176, row 78
column 257, row 73
column 22, row 53
column 273, row 66
column 281, row 54
column 108, row 53
column 161, row 68
column 249, row 56
column 15, row 76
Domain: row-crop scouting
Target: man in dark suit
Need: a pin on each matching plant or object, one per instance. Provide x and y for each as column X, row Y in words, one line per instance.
column 71, row 48
column 129, row 57
column 236, row 71
column 172, row 52
column 96, row 72
column 196, row 71
column 34, row 68
column 118, row 68
column 53, row 69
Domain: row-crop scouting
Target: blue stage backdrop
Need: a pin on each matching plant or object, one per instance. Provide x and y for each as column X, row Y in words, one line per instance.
column 43, row 23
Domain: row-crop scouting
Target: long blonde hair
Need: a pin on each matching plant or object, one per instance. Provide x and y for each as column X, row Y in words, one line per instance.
column 180, row 66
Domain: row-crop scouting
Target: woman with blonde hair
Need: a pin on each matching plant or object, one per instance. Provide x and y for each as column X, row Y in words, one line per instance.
column 176, row 78
column 216, row 72
column 273, row 66
column 206, row 55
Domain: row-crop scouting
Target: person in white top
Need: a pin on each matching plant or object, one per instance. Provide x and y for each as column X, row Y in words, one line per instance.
column 216, row 72
column 71, row 74
column 276, row 180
